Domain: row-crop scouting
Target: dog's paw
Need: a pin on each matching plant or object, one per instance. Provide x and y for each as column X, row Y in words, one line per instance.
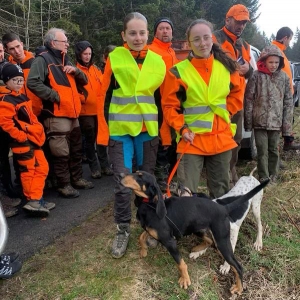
column 258, row 246
column 225, row 268
column 143, row 253
column 184, row 282
column 236, row 290
column 195, row 255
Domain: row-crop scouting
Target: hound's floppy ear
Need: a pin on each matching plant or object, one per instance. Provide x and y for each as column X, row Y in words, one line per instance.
column 161, row 210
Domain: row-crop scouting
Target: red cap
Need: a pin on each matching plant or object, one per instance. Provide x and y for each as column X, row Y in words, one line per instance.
column 239, row 12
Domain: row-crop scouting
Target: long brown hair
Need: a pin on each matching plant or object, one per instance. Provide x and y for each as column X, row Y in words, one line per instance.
column 218, row 53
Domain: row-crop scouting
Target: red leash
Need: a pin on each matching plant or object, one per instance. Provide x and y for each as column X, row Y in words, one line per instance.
column 175, row 168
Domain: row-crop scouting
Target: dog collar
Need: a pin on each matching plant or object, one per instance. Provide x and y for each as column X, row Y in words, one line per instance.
column 145, row 200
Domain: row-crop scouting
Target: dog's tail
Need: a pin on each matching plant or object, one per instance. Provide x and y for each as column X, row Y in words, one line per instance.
column 252, row 172
column 244, row 198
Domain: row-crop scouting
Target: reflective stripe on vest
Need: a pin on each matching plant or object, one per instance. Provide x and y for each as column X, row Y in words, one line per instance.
column 204, row 102
column 133, row 103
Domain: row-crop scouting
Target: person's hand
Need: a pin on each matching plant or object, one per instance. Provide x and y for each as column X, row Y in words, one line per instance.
column 243, row 69
column 69, row 69
column 189, row 136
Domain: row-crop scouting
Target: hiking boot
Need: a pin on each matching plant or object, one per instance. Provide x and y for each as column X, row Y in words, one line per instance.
column 291, row 146
column 10, row 201
column 107, row 171
column 120, row 242
column 68, row 191
column 83, row 184
column 9, row 257
column 96, row 174
column 7, row 270
column 9, row 211
column 39, row 208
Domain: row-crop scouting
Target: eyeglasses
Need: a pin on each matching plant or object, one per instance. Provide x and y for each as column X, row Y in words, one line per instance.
column 197, row 40
column 18, row 81
column 66, row 42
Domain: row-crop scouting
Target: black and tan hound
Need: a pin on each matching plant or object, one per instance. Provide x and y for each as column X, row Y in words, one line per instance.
column 181, row 216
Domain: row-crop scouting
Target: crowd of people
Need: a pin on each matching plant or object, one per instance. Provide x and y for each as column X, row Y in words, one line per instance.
column 139, row 111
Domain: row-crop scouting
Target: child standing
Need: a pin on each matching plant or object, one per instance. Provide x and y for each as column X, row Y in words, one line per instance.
column 26, row 138
column 133, row 72
column 268, row 110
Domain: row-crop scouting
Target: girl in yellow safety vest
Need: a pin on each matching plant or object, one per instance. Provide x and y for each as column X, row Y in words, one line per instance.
column 201, row 94
column 133, row 72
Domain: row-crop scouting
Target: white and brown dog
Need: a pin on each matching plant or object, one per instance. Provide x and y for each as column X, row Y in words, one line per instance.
column 243, row 186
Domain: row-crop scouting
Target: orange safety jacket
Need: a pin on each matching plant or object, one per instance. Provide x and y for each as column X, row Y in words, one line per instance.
column 165, row 51
column 170, row 59
column 89, row 103
column 235, row 48
column 220, row 139
column 37, row 104
column 109, row 81
column 18, row 119
column 65, row 85
column 286, row 68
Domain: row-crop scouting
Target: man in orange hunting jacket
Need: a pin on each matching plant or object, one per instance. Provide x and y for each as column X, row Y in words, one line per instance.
column 54, row 79
column 229, row 38
column 166, row 154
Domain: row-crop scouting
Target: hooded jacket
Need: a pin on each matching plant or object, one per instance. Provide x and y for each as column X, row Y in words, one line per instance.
column 268, row 97
column 90, row 94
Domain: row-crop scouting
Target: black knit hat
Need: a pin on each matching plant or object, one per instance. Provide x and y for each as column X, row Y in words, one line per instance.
column 164, row 19
column 10, row 71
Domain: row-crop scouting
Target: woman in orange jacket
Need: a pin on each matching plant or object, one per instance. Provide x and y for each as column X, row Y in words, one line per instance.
column 89, row 98
column 26, row 138
column 201, row 94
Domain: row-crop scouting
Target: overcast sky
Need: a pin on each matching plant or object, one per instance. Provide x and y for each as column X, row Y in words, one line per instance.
column 278, row 13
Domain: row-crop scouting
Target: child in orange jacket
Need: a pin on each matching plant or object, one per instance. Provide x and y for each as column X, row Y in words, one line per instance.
column 27, row 136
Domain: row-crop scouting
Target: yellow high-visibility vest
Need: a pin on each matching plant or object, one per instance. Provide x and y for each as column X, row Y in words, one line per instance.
column 204, row 102
column 133, row 102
